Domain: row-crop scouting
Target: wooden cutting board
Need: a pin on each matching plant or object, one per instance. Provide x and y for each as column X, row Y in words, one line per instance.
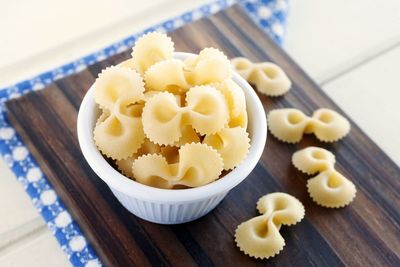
column 366, row 233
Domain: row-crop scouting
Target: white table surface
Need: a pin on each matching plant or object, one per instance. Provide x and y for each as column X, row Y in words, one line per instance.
column 350, row 47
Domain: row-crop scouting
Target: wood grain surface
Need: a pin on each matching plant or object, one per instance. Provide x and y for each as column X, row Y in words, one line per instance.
column 366, row 233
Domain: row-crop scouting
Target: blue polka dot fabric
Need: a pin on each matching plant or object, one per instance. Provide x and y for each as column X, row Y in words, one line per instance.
column 270, row 15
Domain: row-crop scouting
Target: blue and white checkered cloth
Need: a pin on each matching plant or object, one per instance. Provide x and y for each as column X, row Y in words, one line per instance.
column 270, row 15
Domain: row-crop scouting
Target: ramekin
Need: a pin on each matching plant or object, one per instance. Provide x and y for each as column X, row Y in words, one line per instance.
column 171, row 206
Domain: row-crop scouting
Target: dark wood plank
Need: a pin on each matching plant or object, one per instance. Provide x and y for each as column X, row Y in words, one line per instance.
column 366, row 233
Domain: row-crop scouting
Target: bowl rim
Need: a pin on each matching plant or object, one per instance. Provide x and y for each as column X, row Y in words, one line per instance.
column 116, row 181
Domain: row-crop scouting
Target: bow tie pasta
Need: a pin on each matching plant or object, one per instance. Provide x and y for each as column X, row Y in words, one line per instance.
column 177, row 76
column 231, row 143
column 268, row 77
column 120, row 134
column 236, row 102
column 125, row 165
column 119, row 131
column 329, row 188
column 289, row 125
column 171, row 123
column 198, row 165
column 167, row 75
column 259, row 237
column 163, row 119
column 151, row 48
column 117, row 83
column 210, row 66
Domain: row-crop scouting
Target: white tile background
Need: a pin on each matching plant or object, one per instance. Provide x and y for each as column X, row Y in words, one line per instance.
column 350, row 47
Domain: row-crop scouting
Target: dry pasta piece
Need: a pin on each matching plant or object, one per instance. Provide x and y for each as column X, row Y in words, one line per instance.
column 313, row 159
column 289, row 125
column 163, row 119
column 167, row 75
column 208, row 110
column 209, row 66
column 118, row 132
column 150, row 49
column 328, row 125
column 231, row 143
column 243, row 66
column 198, row 164
column 189, row 135
column 148, row 147
column 125, row 165
column 259, row 237
column 268, row 77
column 329, row 188
column 176, row 76
column 119, row 135
column 236, row 102
column 118, row 84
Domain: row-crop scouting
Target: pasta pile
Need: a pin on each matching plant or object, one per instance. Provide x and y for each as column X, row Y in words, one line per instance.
column 268, row 77
column 329, row 188
column 169, row 123
column 289, row 125
column 259, row 237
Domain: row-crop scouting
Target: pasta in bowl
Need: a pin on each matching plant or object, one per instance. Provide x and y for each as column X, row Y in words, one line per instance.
column 178, row 196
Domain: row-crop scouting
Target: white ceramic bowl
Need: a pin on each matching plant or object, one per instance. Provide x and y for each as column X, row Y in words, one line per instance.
column 172, row 206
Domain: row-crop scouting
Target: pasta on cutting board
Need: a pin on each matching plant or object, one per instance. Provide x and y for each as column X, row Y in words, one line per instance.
column 268, row 77
column 259, row 237
column 329, row 188
column 289, row 125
